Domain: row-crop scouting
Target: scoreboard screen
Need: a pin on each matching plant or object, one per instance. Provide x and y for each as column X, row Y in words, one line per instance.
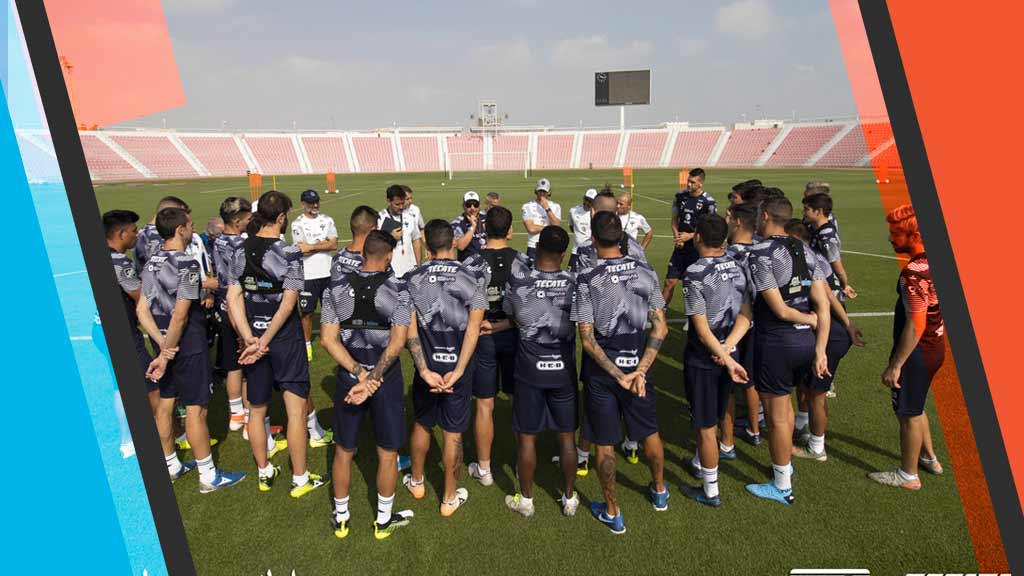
column 628, row 88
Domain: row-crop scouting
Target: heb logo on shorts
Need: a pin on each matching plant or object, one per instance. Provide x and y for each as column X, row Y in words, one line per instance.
column 445, row 357
column 829, row 572
column 550, row 365
column 627, row 361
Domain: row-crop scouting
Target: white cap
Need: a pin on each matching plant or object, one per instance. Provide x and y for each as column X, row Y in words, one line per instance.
column 590, row 194
column 470, row 196
column 543, row 184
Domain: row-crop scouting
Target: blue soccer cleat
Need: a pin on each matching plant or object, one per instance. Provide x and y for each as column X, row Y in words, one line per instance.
column 697, row 494
column 768, row 491
column 727, row 454
column 186, row 467
column 221, row 480
column 658, row 499
column 617, row 524
column 404, row 463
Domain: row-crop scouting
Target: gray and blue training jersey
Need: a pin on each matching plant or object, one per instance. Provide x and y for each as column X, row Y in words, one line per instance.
column 390, row 303
column 715, row 288
column 772, row 267
column 442, row 293
column 128, row 280
column 587, row 255
column 345, row 262
column 149, row 243
column 282, row 263
column 540, row 303
column 168, row 278
column 462, row 226
column 825, row 241
column 227, row 249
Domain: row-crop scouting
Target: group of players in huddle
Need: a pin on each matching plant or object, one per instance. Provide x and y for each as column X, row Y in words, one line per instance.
column 764, row 296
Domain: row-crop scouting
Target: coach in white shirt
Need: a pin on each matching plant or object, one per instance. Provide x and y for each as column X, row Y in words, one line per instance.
column 316, row 237
column 420, row 224
column 540, row 213
column 632, row 222
column 579, row 224
column 403, row 227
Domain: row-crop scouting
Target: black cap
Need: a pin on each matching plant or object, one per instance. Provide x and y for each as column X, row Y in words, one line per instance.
column 310, row 197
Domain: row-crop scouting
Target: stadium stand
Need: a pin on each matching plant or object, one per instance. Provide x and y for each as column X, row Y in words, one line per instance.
column 274, row 154
column 694, row 147
column 218, row 154
column 599, row 150
column 374, row 153
column 420, row 153
column 326, row 154
column 554, row 151
column 801, row 143
column 158, row 154
column 466, row 153
column 746, row 145
column 511, row 151
column 645, row 149
column 849, row 151
column 105, row 163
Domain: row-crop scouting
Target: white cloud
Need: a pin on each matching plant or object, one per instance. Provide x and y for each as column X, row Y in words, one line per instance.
column 594, row 52
column 515, row 54
column 691, row 45
column 746, row 19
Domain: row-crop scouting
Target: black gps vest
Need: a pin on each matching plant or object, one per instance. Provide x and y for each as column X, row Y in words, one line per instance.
column 254, row 277
column 500, row 262
column 364, row 312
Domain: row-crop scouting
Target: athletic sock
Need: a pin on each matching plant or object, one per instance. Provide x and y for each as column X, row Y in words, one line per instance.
column 246, row 411
column 207, row 471
column 235, row 405
column 383, row 508
column 341, row 509
column 485, row 467
column 301, row 480
column 173, row 464
column 710, row 477
column 528, row 502
column 582, row 456
column 630, row 444
column 696, row 460
column 904, row 477
column 313, row 426
column 928, row 460
column 816, row 444
column 266, row 472
column 309, row 344
column 801, row 420
column 783, row 476
column 753, row 434
column 725, row 448
column 271, row 443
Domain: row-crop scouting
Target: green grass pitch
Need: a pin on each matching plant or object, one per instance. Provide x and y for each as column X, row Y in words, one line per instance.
column 840, row 519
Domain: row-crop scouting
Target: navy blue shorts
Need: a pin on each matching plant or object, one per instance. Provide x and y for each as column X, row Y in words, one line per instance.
column 144, row 359
column 535, row 410
column 681, row 260
column 285, row 368
column 228, row 343
column 745, row 355
column 606, row 405
column 707, row 392
column 188, row 378
column 312, row 292
column 915, row 381
column 386, row 407
column 531, row 253
column 574, row 261
column 495, row 364
column 779, row 365
column 449, row 411
column 839, row 343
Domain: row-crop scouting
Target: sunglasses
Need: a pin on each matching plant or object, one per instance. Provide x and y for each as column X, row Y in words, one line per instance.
column 472, row 204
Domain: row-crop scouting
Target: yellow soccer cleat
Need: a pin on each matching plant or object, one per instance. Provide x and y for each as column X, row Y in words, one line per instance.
column 384, row 531
column 340, row 527
column 184, row 445
column 315, row 481
column 279, row 445
column 326, row 440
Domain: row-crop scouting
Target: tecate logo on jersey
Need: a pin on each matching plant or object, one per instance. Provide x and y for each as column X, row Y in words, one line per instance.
column 627, row 361
column 621, row 267
column 550, row 365
column 443, row 269
column 445, row 357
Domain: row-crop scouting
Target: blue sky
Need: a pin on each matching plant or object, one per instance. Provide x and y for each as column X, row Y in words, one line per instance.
column 359, row 65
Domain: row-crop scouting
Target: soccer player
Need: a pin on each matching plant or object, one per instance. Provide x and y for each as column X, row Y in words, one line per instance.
column 918, row 352
column 236, row 213
column 579, row 225
column 172, row 316
column 350, row 258
column 403, row 227
column 417, row 215
column 690, row 205
column 587, row 256
column 789, row 340
column 470, row 235
column 632, row 222
column 539, row 213
column 718, row 307
column 448, row 302
column 263, row 292
column 742, row 220
column 736, row 194
column 818, row 187
column 615, row 300
column 490, row 201
column 365, row 321
column 149, row 241
column 316, row 237
column 825, row 237
column 539, row 300
column 496, row 348
column 812, row 395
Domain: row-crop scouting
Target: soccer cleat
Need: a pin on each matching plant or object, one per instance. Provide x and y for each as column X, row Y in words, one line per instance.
column 630, row 453
column 582, row 466
column 340, row 526
column 183, row 444
column 768, row 491
column 274, row 431
column 267, row 482
column 315, row 481
column 892, row 478
column 801, row 435
column 309, row 352
column 831, row 391
column 569, row 505
column 694, row 470
column 482, row 476
column 383, row 531
column 658, row 499
column 617, row 524
column 236, row 423
column 418, row 490
column 221, row 480
column 749, row 437
column 186, row 467
column 326, row 440
column 279, row 445
column 404, row 463
column 930, row 466
column 449, row 508
column 697, row 494
column 807, row 454
column 516, row 504
column 729, row 454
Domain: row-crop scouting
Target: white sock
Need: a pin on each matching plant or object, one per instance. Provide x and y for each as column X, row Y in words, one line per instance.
column 173, row 464
column 710, row 476
column 270, row 438
column 341, row 509
column 528, row 502
column 928, row 460
column 783, row 476
column 384, row 508
column 904, row 476
column 630, row 444
column 313, row 426
column 696, row 460
column 753, row 433
column 816, row 443
column 801, row 420
column 302, row 479
column 266, row 472
column 207, row 471
column 235, row 405
column 582, row 456
column 724, row 448
column 246, row 410
column 309, row 344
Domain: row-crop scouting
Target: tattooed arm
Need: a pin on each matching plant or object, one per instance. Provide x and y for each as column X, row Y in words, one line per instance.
column 433, row 379
column 592, row 349
column 659, row 330
column 388, row 358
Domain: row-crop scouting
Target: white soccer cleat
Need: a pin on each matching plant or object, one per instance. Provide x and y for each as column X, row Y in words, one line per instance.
column 484, row 477
column 569, row 505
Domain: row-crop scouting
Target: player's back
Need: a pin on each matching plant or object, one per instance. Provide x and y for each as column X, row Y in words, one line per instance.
column 170, row 276
column 365, row 305
column 228, row 249
column 916, row 287
column 789, row 265
column 616, row 295
column 541, row 305
column 345, row 262
column 715, row 288
column 148, row 243
column 270, row 267
column 442, row 292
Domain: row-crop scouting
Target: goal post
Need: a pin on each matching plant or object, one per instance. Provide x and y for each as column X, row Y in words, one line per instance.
column 462, row 162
